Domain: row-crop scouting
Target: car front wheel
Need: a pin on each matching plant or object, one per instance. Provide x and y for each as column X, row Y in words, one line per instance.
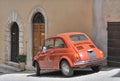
column 37, row 69
column 66, row 69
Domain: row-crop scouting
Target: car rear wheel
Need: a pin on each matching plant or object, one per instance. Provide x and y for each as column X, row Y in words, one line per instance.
column 96, row 68
column 37, row 69
column 66, row 69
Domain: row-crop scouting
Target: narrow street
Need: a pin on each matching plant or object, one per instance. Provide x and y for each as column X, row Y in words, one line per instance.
column 107, row 74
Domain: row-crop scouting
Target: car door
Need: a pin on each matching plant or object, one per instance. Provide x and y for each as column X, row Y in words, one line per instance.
column 45, row 54
column 57, row 52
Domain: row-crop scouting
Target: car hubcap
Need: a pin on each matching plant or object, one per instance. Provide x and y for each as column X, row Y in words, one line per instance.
column 65, row 68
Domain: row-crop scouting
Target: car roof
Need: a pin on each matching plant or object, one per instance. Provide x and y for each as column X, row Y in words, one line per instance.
column 69, row 33
column 65, row 34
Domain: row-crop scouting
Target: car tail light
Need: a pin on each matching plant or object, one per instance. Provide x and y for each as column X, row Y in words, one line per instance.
column 102, row 55
column 101, row 52
column 77, row 56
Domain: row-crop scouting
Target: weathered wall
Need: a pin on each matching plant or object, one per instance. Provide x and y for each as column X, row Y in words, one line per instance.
column 62, row 16
column 111, row 11
column 68, row 15
column 23, row 9
column 99, row 30
column 104, row 11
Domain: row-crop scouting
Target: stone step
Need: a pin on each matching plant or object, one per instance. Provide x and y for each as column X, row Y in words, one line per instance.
column 8, row 69
column 13, row 64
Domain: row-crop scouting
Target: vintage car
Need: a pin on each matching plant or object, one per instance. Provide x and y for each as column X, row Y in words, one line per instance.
column 68, row 51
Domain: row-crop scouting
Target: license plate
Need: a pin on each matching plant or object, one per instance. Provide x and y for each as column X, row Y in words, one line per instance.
column 92, row 54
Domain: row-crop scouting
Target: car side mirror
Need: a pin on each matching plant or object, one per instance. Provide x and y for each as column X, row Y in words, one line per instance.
column 44, row 48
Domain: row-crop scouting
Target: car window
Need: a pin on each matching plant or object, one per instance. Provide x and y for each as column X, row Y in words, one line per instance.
column 49, row 43
column 59, row 43
column 78, row 37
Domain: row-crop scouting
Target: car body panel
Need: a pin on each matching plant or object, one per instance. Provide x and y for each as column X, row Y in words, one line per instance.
column 77, row 53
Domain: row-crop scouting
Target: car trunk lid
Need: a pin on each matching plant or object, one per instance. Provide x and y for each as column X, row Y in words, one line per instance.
column 86, row 50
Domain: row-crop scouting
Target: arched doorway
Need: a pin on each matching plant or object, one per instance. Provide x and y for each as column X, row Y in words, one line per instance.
column 38, row 31
column 14, row 41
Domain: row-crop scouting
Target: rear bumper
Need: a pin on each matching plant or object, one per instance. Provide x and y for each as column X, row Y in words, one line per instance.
column 89, row 62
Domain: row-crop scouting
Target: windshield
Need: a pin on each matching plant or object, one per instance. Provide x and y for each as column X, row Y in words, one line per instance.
column 78, row 37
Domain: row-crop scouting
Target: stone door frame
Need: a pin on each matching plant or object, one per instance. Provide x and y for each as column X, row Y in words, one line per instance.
column 13, row 17
column 30, row 39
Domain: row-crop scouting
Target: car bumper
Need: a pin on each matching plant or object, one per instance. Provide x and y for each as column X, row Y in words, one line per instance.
column 90, row 62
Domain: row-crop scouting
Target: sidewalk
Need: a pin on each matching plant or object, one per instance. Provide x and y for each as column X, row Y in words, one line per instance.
column 104, row 69
column 5, row 71
column 106, row 74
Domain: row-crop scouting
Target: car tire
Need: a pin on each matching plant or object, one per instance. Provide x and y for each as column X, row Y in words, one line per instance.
column 66, row 69
column 37, row 69
column 96, row 68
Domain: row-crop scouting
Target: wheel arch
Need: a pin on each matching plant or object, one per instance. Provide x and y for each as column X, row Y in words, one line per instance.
column 66, row 59
column 34, row 63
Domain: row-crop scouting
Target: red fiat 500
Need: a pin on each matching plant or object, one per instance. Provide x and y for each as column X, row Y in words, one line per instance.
column 68, row 51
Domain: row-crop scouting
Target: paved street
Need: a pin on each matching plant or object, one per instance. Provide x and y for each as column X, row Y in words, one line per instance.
column 107, row 74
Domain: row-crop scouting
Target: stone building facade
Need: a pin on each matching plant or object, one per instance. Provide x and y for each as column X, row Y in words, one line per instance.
column 20, row 18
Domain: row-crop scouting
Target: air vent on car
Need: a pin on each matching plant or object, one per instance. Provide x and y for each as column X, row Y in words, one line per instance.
column 92, row 46
column 80, row 48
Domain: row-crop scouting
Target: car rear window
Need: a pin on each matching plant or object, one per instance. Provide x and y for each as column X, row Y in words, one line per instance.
column 78, row 37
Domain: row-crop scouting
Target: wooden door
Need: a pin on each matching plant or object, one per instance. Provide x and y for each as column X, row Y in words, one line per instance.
column 38, row 36
column 114, row 44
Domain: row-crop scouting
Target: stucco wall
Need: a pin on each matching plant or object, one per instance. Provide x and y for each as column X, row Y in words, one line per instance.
column 62, row 16
column 68, row 15
column 104, row 11
column 99, row 33
column 111, row 13
column 111, row 10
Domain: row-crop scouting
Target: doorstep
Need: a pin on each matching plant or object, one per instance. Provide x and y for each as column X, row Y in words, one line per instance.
column 8, row 69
